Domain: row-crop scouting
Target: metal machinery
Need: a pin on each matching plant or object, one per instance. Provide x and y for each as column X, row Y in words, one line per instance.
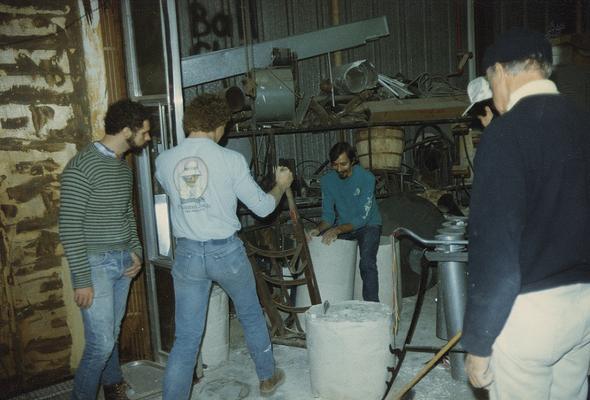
column 449, row 250
column 272, row 65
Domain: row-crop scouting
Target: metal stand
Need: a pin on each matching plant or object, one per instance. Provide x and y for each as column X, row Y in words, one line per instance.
column 274, row 290
column 452, row 262
column 449, row 251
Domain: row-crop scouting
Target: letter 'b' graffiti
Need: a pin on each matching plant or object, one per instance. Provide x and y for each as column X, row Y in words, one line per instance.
column 220, row 25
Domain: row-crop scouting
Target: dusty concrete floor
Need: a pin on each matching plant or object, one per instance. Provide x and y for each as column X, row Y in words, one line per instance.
column 236, row 379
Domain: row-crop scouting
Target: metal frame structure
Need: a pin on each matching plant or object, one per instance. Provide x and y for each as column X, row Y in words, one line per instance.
column 204, row 68
column 169, row 108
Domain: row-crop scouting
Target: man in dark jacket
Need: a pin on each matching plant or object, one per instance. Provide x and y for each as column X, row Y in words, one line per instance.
column 527, row 321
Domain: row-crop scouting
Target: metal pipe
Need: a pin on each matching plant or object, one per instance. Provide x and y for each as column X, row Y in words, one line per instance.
column 471, row 39
column 441, row 322
column 287, row 131
column 427, row 242
column 452, row 288
column 355, row 77
column 131, row 53
column 331, row 81
column 335, row 6
column 173, row 71
column 452, row 280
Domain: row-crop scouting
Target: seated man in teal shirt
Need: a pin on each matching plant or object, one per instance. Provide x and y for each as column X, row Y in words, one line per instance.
column 349, row 211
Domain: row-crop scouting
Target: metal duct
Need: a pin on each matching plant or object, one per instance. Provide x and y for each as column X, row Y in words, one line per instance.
column 355, row 77
column 275, row 95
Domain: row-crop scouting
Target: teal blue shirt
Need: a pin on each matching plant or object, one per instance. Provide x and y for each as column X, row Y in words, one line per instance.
column 350, row 200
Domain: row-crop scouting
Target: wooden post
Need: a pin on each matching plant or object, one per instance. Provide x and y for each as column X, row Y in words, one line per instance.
column 312, row 285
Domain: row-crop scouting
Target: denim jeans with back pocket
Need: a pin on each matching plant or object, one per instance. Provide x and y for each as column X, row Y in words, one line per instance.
column 196, row 265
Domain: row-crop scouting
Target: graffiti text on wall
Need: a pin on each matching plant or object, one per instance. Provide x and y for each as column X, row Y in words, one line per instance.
column 207, row 31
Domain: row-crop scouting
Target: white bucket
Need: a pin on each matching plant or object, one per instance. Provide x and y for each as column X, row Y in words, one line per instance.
column 215, row 347
column 388, row 268
column 334, row 266
column 348, row 350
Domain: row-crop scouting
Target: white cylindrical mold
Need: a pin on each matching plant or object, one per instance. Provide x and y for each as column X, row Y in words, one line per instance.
column 215, row 347
column 334, row 266
column 388, row 268
column 348, row 349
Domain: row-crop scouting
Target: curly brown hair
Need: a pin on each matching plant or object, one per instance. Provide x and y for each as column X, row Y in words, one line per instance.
column 206, row 113
column 125, row 114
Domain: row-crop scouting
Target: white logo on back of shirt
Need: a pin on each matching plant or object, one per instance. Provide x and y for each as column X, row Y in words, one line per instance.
column 190, row 179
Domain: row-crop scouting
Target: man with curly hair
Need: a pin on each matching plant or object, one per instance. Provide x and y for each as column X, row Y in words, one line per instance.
column 204, row 182
column 98, row 231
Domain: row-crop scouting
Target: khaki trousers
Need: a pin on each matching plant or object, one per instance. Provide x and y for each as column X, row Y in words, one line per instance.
column 543, row 351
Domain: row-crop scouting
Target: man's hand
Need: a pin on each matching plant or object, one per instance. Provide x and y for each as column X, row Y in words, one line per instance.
column 83, row 297
column 312, row 233
column 283, row 177
column 486, row 119
column 478, row 371
column 134, row 269
column 330, row 235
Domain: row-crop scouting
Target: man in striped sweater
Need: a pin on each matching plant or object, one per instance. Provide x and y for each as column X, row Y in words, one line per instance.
column 98, row 231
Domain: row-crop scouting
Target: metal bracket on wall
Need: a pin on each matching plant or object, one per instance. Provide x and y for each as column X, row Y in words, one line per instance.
column 209, row 67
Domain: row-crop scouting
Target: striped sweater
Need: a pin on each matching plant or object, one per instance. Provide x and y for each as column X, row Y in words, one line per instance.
column 96, row 212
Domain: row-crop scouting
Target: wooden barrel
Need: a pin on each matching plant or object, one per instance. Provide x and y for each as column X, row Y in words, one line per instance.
column 387, row 147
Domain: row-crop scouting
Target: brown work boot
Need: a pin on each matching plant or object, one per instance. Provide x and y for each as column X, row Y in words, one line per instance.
column 269, row 386
column 118, row 391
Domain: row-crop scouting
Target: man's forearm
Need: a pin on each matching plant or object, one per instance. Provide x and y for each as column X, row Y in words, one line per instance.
column 344, row 228
column 277, row 192
column 323, row 225
column 340, row 229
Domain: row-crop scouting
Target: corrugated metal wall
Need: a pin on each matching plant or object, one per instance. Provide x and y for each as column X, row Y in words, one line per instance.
column 553, row 17
column 425, row 36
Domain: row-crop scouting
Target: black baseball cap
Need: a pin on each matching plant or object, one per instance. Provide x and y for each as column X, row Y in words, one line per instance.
column 518, row 44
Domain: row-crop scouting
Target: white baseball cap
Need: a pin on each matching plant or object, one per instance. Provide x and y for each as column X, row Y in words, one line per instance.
column 478, row 90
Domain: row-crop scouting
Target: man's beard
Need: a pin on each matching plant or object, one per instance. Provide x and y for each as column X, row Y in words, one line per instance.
column 133, row 147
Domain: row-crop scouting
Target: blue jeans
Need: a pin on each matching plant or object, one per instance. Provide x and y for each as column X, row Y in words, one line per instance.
column 196, row 265
column 102, row 320
column 368, row 238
